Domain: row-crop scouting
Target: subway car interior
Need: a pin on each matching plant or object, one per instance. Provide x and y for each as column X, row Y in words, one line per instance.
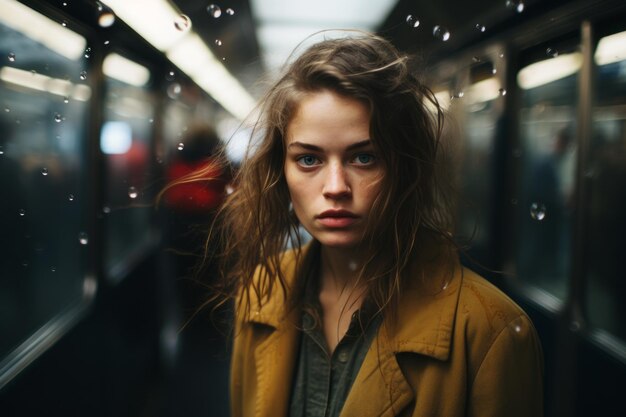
column 103, row 103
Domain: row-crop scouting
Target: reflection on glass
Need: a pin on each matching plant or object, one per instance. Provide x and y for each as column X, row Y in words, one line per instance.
column 482, row 138
column 43, row 172
column 125, row 141
column 607, row 179
column 547, row 151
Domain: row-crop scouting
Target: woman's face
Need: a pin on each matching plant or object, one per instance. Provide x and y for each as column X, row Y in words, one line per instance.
column 332, row 171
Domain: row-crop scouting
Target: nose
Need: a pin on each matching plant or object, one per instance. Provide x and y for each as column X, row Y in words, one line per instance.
column 336, row 183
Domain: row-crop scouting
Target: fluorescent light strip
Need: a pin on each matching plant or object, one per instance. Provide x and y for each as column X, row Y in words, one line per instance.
column 125, row 70
column 154, row 21
column 611, row 49
column 549, row 70
column 44, row 83
column 42, row 29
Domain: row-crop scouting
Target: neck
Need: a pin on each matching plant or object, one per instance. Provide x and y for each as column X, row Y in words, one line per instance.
column 340, row 269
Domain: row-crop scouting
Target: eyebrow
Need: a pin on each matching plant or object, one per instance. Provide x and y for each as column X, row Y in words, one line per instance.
column 357, row 145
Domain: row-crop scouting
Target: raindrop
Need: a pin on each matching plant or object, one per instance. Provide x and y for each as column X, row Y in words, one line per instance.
column 106, row 209
column 182, row 23
column 88, row 52
column 518, row 328
column 6, row 109
column 174, row 90
column 70, row 197
column 480, row 28
column 99, row 6
column 214, row 10
column 1, row 151
column 223, row 58
column 44, row 172
column 170, row 75
column 218, row 42
column 21, row 212
column 66, row 100
column 58, row 118
column 132, row 192
column 53, row 269
column 552, row 52
column 502, row 92
column 180, row 146
column 460, row 94
column 106, row 18
column 537, row 211
column 150, row 120
column 64, row 4
column 518, row 5
column 83, row 75
column 107, row 42
column 230, row 11
column 412, row 21
column 11, row 57
column 83, row 238
column 64, row 24
column 501, row 54
column 441, row 33
column 476, row 59
column 494, row 71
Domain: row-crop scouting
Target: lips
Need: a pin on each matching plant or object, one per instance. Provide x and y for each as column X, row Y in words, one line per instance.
column 337, row 218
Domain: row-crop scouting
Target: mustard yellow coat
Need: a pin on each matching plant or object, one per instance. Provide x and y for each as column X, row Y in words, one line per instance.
column 467, row 350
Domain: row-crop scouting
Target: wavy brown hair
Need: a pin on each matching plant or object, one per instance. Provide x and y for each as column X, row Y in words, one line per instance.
column 413, row 209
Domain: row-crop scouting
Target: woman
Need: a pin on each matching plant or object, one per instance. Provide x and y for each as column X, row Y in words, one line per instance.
column 375, row 316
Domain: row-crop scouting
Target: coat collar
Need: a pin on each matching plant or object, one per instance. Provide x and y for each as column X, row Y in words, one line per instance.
column 423, row 325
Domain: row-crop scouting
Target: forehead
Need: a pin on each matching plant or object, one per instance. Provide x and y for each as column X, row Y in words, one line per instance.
column 326, row 115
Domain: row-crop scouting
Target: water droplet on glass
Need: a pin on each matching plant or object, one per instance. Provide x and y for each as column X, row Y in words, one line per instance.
column 53, row 269
column 151, row 121
column 70, row 197
column 58, row 118
column 6, row 109
column 106, row 18
column 460, row 94
column 11, row 57
column 174, row 90
column 214, row 10
column 182, row 23
column 518, row 5
column 494, row 71
column 412, row 21
column 230, row 11
column 223, row 58
column 218, row 42
column 88, row 52
column 441, row 33
column 99, row 6
column 180, row 146
column 518, row 328
column 170, row 75
column 21, row 212
column 480, row 28
column 502, row 92
column 83, row 75
column 66, row 100
column 64, row 24
column 33, row 72
column 106, row 209
column 64, row 4
column 132, row 192
column 44, row 172
column 476, row 59
column 537, row 211
column 1, row 151
column 83, row 238
column 501, row 54
column 552, row 52
column 107, row 42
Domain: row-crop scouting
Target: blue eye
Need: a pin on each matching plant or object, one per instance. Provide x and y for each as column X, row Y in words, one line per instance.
column 307, row 160
column 364, row 159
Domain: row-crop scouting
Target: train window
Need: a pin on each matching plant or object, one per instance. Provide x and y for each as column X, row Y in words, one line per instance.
column 44, row 102
column 482, row 106
column 547, row 153
column 126, row 143
column 607, row 180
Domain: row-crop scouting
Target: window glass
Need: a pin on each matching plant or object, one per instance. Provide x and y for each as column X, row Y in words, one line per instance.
column 44, row 101
column 547, row 152
column 606, row 177
column 482, row 105
column 126, row 143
